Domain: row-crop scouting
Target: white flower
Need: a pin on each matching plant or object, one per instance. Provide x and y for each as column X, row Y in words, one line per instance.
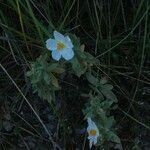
column 61, row 46
column 93, row 132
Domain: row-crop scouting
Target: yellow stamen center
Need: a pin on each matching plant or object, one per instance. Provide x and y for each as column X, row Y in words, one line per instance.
column 92, row 132
column 60, row 46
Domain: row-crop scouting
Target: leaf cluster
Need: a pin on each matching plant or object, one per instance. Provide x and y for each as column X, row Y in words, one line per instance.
column 101, row 101
column 43, row 77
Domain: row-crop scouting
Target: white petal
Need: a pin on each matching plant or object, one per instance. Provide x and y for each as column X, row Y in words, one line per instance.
column 51, row 44
column 90, row 125
column 56, row 55
column 90, row 143
column 95, row 140
column 68, row 42
column 89, row 120
column 59, row 37
column 89, row 128
column 90, row 137
column 93, row 125
column 67, row 53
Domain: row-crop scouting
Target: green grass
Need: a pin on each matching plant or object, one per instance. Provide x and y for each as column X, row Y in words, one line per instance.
column 115, row 32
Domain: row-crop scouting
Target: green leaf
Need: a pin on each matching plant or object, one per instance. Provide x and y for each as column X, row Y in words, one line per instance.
column 56, row 68
column 110, row 122
column 90, row 58
column 106, row 104
column 113, row 137
column 94, row 81
column 47, row 77
column 107, row 87
column 78, row 68
column 54, row 81
column 82, row 47
column 52, row 67
column 106, row 91
column 103, row 80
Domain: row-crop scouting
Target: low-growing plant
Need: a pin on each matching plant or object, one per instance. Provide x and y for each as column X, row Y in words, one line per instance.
column 45, row 74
